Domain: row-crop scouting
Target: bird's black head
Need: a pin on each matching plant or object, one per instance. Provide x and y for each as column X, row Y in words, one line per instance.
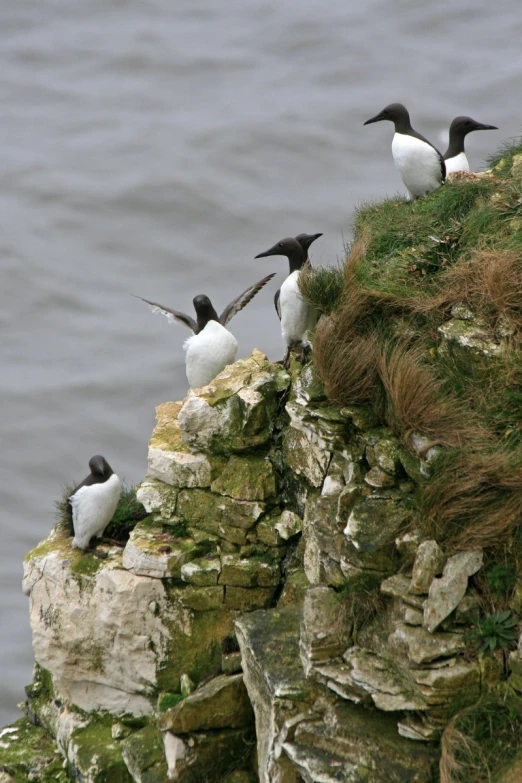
column 461, row 126
column 204, row 310
column 305, row 240
column 394, row 112
column 290, row 248
column 100, row 467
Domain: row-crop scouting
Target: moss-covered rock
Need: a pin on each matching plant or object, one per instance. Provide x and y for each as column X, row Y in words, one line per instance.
column 223, row 517
column 238, row 410
column 247, row 478
column 153, row 550
column 28, row 752
column 220, row 704
column 144, row 756
column 95, row 757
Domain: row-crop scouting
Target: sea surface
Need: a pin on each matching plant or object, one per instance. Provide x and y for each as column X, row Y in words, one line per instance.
column 154, row 148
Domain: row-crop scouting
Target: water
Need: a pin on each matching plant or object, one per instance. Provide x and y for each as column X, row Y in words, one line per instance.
column 155, row 148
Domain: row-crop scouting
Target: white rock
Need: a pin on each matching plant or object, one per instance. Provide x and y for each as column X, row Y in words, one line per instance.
column 175, row 751
column 179, row 468
column 102, row 643
column 289, row 524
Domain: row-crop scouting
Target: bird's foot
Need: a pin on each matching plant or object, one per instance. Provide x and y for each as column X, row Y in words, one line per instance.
column 286, row 360
column 112, row 541
column 100, row 555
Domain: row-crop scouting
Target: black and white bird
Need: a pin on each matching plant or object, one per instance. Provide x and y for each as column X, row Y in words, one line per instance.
column 455, row 156
column 94, row 502
column 419, row 163
column 212, row 346
column 297, row 316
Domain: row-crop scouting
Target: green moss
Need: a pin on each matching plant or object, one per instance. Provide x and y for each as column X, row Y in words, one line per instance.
column 95, row 753
column 168, row 700
column 247, row 478
column 27, row 752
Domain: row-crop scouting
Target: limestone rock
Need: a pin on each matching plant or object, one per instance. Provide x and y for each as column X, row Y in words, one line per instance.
column 446, row 593
column 94, row 757
column 222, row 517
column 349, row 745
column 76, row 603
column 304, row 457
column 144, row 756
column 424, row 647
column 470, row 337
column 202, row 599
column 325, row 627
column 379, row 478
column 429, row 562
column 387, row 453
column 246, row 478
column 157, row 497
column 179, row 469
column 274, row 680
column 398, row 586
column 152, row 552
column 324, row 542
column 201, row 572
column 248, row 572
column 207, row 756
column 221, row 703
column 237, row 411
column 289, row 524
column 371, row 530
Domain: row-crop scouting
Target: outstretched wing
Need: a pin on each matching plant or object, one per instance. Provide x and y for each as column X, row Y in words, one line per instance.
column 276, row 302
column 243, row 299
column 172, row 315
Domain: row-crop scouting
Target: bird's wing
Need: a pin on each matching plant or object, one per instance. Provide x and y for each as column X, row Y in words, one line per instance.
column 243, row 299
column 442, row 167
column 172, row 315
column 276, row 303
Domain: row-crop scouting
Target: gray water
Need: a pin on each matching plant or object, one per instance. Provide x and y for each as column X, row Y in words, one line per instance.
column 154, row 148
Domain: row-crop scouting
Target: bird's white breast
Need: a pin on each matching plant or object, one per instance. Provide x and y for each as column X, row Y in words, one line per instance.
column 418, row 164
column 93, row 508
column 457, row 163
column 208, row 352
column 297, row 315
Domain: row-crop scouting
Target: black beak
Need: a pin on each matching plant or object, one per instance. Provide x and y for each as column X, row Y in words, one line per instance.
column 481, row 126
column 377, row 118
column 316, row 236
column 274, row 251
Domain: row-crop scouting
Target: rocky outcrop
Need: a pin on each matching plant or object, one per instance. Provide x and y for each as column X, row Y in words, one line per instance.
column 285, row 525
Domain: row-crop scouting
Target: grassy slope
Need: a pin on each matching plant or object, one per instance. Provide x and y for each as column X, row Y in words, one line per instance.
column 378, row 344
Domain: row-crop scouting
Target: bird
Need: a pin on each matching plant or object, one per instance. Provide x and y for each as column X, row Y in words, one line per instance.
column 211, row 346
column 94, row 502
column 297, row 316
column 419, row 163
column 455, row 156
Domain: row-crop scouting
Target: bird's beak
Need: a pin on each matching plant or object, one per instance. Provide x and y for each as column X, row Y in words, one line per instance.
column 274, row 251
column 316, row 236
column 481, row 126
column 377, row 118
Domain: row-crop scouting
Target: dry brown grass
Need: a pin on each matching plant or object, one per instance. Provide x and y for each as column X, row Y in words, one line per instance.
column 489, row 282
column 475, row 499
column 346, row 363
column 414, row 402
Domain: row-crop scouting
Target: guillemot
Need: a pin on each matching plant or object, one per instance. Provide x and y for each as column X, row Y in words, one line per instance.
column 94, row 502
column 212, row 346
column 419, row 163
column 455, row 156
column 297, row 316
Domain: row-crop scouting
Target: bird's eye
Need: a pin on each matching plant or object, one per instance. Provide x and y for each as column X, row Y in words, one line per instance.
column 280, row 244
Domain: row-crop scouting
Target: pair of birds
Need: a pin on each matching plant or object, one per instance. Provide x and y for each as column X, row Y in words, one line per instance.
column 420, row 164
column 212, row 346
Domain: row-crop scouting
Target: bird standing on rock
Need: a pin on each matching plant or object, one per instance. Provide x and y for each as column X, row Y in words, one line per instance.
column 419, row 163
column 212, row 346
column 94, row 502
column 297, row 316
column 455, row 156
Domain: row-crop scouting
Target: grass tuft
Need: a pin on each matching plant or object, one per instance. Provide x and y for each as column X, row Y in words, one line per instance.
column 482, row 739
